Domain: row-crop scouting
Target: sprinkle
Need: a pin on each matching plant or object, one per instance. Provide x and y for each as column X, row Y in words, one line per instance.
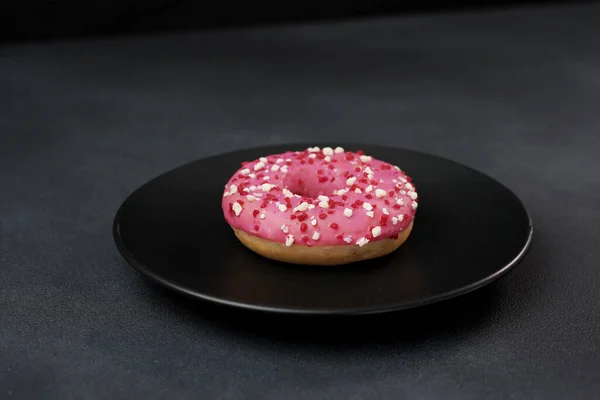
column 259, row 165
column 348, row 212
column 245, row 171
column 324, row 204
column 362, row 241
column 289, row 240
column 323, row 198
column 367, row 206
column 313, row 221
column 316, row 236
column 369, row 171
column 334, row 225
column 409, row 186
column 348, row 239
column 403, row 192
column 279, row 160
column 285, row 228
column 266, row 178
column 400, row 217
column 313, row 155
column 301, row 207
column 311, row 206
column 313, row 149
column 376, row 231
column 266, row 187
column 370, row 214
column 327, row 151
column 263, row 160
column 338, row 150
column 400, row 202
column 397, row 167
column 327, row 159
column 237, row 209
column 350, row 181
column 250, row 198
column 413, row 195
column 414, row 205
column 252, row 175
column 287, row 193
column 365, row 159
column 284, row 169
column 282, row 207
column 262, row 216
column 394, row 220
column 385, row 211
column 369, row 188
column 275, row 167
column 380, row 193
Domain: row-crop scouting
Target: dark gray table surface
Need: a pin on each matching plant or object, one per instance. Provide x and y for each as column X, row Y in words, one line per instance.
column 515, row 94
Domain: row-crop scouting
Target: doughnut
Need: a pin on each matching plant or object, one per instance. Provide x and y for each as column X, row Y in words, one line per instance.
column 320, row 206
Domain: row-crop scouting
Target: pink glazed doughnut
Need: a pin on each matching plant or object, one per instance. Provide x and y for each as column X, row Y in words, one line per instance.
column 320, row 206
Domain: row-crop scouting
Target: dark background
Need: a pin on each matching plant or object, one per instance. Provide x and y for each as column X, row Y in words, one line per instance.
column 50, row 19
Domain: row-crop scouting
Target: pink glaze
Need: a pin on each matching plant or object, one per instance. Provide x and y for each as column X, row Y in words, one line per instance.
column 320, row 197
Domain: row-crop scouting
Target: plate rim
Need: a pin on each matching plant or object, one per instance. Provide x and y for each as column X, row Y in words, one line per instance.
column 366, row 310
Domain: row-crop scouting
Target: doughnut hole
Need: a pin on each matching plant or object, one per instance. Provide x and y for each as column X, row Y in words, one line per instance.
column 308, row 183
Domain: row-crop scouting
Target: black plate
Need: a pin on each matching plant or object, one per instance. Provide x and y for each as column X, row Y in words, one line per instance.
column 469, row 231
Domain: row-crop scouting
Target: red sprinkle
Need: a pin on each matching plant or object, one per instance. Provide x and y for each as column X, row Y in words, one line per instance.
column 330, row 166
column 396, row 207
column 302, row 216
column 334, row 225
column 304, row 239
column 331, row 204
column 322, row 216
column 369, row 236
column 360, row 152
column 241, row 202
column 320, row 171
column 391, row 193
column 387, row 202
column 255, row 227
column 374, row 182
column 323, row 179
column 357, row 169
column 349, row 157
column 303, row 227
column 330, row 211
column 310, row 161
column 293, row 217
column 255, row 213
column 344, row 197
column 332, row 179
column 263, row 205
column 363, row 180
column 339, row 237
column 368, row 196
column 339, row 203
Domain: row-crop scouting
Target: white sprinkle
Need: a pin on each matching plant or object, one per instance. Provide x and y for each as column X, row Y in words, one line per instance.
column 266, row 187
column 369, row 188
column 338, row 150
column 312, row 155
column 370, row 214
column 324, row 204
column 413, row 195
column 368, row 170
column 252, row 175
column 287, row 193
column 357, row 190
column 328, row 151
column 275, row 167
column 245, row 171
column 397, row 167
column 365, row 159
column 362, row 241
column 301, row 207
column 237, row 208
column 288, row 160
column 400, row 217
column 313, row 149
column 285, row 228
column 262, row 216
column 376, row 231
column 348, row 239
column 266, row 178
column 232, row 189
column 284, row 169
column 370, row 176
column 246, row 190
column 263, row 159
column 400, row 202
column 414, row 205
column 323, row 198
column 250, row 198
column 259, row 165
column 313, row 221
column 282, row 207
column 367, row 206
column 289, row 240
column 348, row 212
column 409, row 186
column 380, row 193
column 394, row 220
column 350, row 181
column 279, row 160
column 316, row 236
column 385, row 211
column 311, row 206
column 327, row 159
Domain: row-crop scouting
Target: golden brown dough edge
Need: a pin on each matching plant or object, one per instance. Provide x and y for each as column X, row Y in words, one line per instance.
column 321, row 255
